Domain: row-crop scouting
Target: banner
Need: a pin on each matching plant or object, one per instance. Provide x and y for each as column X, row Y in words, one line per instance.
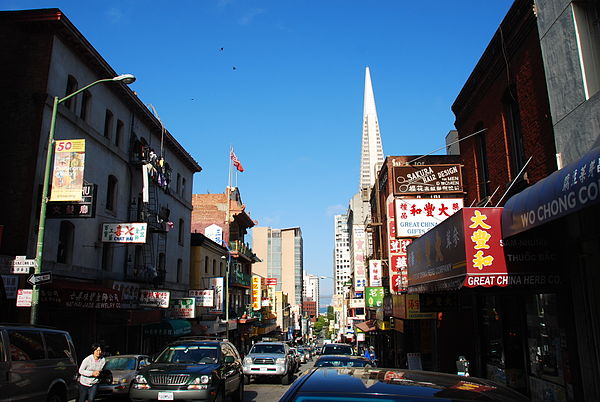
column 216, row 284
column 375, row 273
column 67, row 175
column 256, row 292
column 415, row 216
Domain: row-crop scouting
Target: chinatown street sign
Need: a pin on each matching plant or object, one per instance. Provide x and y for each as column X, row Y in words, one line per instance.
column 21, row 265
column 41, row 278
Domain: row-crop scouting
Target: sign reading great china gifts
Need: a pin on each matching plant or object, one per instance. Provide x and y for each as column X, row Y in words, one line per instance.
column 415, row 216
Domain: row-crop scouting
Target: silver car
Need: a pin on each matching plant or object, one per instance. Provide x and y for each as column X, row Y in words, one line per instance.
column 122, row 370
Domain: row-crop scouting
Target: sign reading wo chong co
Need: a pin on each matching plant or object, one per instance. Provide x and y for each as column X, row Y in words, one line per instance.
column 568, row 190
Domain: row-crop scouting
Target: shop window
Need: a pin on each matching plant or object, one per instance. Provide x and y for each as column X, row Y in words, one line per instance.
column 65, row 243
column 72, row 86
column 86, row 104
column 111, row 193
column 108, row 123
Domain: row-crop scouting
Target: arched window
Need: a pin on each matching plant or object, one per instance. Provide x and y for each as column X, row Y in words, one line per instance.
column 514, row 133
column 86, row 104
column 119, row 133
column 181, row 231
column 66, row 236
column 206, row 265
column 483, row 180
column 214, row 269
column 111, row 193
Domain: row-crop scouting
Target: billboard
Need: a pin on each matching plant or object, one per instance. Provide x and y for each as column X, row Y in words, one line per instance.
column 124, row 232
column 427, row 179
column 204, row 297
column 415, row 216
column 67, row 175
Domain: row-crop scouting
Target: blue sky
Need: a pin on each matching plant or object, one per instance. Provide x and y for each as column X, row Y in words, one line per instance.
column 292, row 107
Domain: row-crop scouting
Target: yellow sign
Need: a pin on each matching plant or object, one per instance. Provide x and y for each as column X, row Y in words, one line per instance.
column 256, row 292
column 67, row 176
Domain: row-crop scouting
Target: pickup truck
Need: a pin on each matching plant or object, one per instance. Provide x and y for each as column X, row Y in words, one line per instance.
column 269, row 359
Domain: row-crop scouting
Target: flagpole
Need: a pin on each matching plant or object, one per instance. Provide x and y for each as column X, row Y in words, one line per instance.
column 228, row 200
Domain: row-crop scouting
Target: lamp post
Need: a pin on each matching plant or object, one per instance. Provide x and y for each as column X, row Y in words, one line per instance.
column 227, row 294
column 126, row 79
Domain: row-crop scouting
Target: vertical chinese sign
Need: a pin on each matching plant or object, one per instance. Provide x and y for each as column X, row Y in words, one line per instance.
column 374, row 296
column 375, row 272
column 486, row 264
column 67, row 175
column 256, row 296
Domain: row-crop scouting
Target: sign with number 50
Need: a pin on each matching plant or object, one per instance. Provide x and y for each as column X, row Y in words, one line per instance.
column 67, row 176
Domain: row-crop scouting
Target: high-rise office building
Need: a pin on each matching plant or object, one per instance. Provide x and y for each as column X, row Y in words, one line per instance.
column 281, row 255
column 341, row 255
column 311, row 288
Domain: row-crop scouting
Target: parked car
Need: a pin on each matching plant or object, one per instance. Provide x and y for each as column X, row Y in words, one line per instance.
column 342, row 361
column 121, row 370
column 296, row 357
column 37, row 364
column 360, row 384
column 191, row 369
column 337, row 349
column 304, row 354
column 269, row 359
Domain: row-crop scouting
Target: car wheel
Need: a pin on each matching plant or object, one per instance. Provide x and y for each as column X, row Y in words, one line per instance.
column 238, row 395
column 247, row 379
column 55, row 396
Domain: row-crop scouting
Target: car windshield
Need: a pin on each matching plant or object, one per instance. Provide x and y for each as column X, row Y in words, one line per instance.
column 120, row 363
column 337, row 350
column 189, row 354
column 265, row 348
column 341, row 363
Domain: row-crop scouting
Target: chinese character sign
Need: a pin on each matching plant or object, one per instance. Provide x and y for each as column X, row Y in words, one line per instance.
column 124, row 232
column 486, row 265
column 183, row 308
column 375, row 272
column 256, row 296
column 67, row 176
column 374, row 296
column 204, row 297
column 415, row 216
column 154, row 298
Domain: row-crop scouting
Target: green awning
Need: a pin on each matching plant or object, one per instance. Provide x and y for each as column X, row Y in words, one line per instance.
column 168, row 328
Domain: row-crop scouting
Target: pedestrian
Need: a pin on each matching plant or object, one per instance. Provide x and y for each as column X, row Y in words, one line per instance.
column 89, row 373
column 370, row 353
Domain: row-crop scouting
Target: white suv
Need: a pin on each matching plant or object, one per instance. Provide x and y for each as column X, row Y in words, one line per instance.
column 269, row 359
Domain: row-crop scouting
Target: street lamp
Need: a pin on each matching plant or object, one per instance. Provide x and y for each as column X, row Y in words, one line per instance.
column 125, row 79
column 227, row 294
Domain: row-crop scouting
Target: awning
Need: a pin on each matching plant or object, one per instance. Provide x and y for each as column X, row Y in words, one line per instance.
column 367, row 326
column 169, row 328
column 570, row 189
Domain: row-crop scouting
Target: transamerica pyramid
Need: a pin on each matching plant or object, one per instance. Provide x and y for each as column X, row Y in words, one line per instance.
column 371, row 155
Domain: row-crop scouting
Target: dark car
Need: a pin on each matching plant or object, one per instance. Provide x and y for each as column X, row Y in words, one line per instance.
column 120, row 371
column 337, row 349
column 342, row 361
column 191, row 370
column 360, row 384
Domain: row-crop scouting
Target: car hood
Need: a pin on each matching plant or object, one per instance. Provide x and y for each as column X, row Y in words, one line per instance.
column 178, row 368
column 119, row 374
column 266, row 355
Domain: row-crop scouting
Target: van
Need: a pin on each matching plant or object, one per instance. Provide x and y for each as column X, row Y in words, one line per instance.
column 36, row 364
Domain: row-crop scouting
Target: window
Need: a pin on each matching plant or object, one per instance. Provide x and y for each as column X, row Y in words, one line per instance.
column 586, row 16
column 65, row 243
column 72, row 86
column 138, row 259
column 86, row 101
column 214, row 268
column 57, row 345
column 181, row 231
column 25, row 345
column 108, row 122
column 179, row 271
column 119, row 133
column 178, row 184
column 111, row 193
column 161, row 263
column 481, row 161
column 513, row 131
column 107, row 257
column 183, row 186
column 206, row 265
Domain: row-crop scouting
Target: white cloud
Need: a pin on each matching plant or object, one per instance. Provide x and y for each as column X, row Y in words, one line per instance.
column 114, row 15
column 249, row 17
column 335, row 210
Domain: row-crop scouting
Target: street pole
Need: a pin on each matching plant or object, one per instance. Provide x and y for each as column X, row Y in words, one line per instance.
column 227, row 297
column 35, row 296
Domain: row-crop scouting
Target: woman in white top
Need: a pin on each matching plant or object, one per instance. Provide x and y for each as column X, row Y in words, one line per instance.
column 89, row 371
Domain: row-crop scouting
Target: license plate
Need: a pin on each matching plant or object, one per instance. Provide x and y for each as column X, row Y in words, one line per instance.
column 165, row 396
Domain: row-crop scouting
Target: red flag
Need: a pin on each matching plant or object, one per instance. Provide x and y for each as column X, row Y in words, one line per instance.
column 236, row 162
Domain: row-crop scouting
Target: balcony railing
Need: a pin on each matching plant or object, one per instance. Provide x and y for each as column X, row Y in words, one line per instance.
column 239, row 278
column 241, row 248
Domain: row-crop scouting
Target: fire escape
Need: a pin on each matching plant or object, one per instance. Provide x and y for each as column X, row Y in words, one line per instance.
column 149, row 263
